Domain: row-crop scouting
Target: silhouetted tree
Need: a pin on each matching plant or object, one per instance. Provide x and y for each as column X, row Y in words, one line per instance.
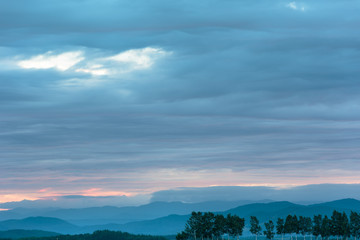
column 355, row 224
column 316, row 230
column 326, row 228
column 345, row 226
column 339, row 225
column 182, row 236
column 280, row 227
column 193, row 225
column 304, row 225
column 255, row 226
column 269, row 232
column 295, row 224
column 220, row 224
column 235, row 225
column 288, row 226
column 291, row 225
column 335, row 224
column 208, row 225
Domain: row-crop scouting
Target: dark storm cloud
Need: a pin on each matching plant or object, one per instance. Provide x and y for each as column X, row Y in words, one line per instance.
column 255, row 87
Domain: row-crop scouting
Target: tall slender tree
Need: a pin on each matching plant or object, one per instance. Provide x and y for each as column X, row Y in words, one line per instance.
column 255, row 226
column 280, row 227
column 304, row 225
column 208, row 225
column 344, row 226
column 288, row 226
column 193, row 226
column 308, row 226
column 355, row 224
column 269, row 230
column 316, row 230
column 302, row 228
column 326, row 228
column 219, row 228
column 295, row 225
column 235, row 225
column 335, row 224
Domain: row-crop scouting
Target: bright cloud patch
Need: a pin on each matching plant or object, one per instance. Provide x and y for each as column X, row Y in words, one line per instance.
column 96, row 70
column 295, row 6
column 75, row 61
column 48, row 60
column 135, row 59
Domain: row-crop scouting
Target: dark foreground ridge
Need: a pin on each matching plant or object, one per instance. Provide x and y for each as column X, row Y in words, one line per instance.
column 101, row 235
column 21, row 233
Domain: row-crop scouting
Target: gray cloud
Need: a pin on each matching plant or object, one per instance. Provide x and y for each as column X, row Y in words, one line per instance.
column 78, row 201
column 300, row 194
column 252, row 88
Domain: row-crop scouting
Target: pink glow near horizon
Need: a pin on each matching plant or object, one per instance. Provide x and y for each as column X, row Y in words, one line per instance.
column 16, row 197
column 50, row 194
column 44, row 194
column 147, row 182
column 98, row 192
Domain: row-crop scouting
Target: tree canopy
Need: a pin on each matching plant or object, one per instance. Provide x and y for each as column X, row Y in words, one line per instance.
column 209, row 225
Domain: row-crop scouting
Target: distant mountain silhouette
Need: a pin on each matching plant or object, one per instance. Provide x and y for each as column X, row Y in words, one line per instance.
column 39, row 223
column 108, row 214
column 273, row 210
column 161, row 226
column 264, row 212
column 174, row 223
column 347, row 203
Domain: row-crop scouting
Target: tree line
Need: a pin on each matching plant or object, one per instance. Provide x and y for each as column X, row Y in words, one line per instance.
column 209, row 226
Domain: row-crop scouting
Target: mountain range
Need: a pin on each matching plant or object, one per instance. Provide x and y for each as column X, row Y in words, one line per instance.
column 160, row 218
column 121, row 215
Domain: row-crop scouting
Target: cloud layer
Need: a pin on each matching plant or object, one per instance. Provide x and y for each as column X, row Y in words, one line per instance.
column 135, row 96
column 300, row 194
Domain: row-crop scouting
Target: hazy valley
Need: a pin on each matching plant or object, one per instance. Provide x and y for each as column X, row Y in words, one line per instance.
column 158, row 218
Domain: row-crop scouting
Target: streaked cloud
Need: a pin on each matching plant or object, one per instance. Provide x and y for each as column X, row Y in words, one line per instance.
column 97, row 70
column 140, row 96
column 77, row 201
column 123, row 62
column 136, row 59
column 300, row 194
column 61, row 62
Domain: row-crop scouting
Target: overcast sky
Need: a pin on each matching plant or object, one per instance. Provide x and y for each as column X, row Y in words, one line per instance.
column 112, row 98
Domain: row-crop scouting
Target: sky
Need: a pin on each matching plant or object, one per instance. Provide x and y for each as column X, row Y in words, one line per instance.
column 125, row 99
